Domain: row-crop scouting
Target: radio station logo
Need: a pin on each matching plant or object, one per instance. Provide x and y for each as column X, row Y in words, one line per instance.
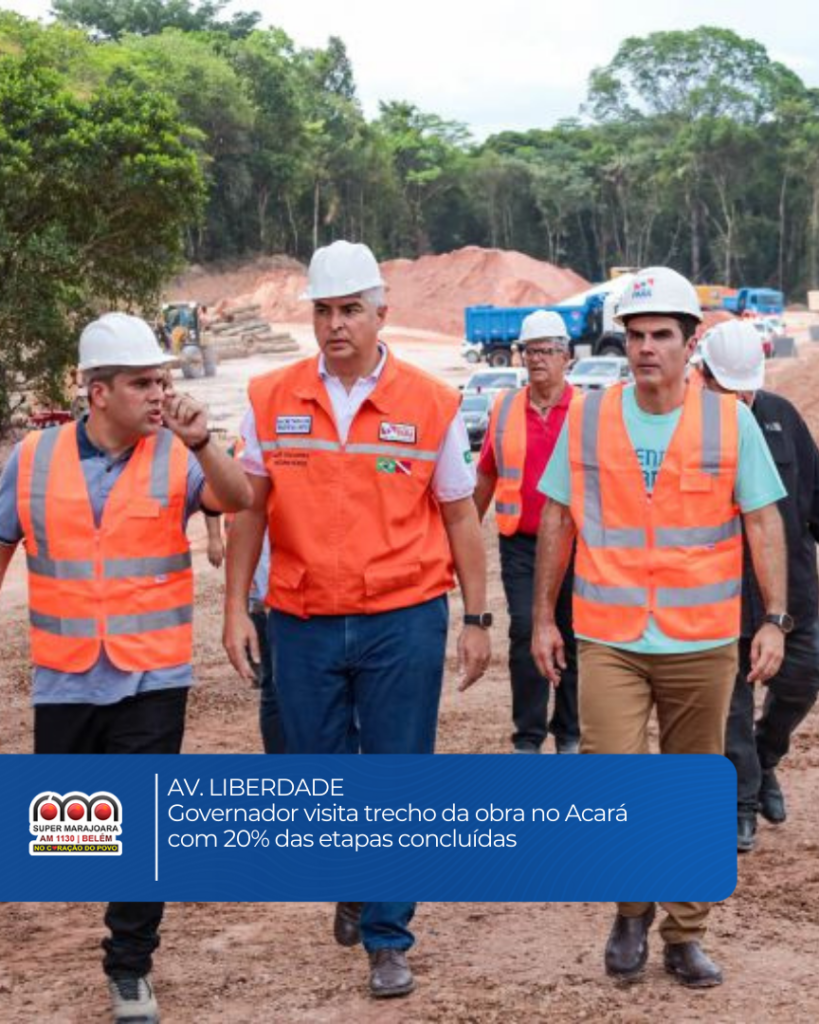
column 75, row 823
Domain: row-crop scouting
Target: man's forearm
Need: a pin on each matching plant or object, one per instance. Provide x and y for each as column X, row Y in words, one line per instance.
column 466, row 543
column 554, row 551
column 484, row 490
column 226, row 485
column 244, row 546
column 766, row 539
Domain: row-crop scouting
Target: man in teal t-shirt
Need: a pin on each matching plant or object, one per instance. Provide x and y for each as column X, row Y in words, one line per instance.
column 689, row 681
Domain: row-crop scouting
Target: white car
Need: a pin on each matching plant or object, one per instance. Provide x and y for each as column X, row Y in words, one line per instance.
column 597, row 372
column 492, row 382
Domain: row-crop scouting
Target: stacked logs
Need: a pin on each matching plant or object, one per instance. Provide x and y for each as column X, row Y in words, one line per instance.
column 241, row 331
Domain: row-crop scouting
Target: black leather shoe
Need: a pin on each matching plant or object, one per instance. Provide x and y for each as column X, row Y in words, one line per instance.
column 746, row 833
column 347, row 925
column 771, row 799
column 690, row 966
column 390, row 974
column 567, row 746
column 627, row 948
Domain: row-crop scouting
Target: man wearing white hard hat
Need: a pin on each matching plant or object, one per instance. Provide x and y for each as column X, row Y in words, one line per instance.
column 523, row 430
column 656, row 481
column 107, row 499
column 733, row 360
column 362, row 475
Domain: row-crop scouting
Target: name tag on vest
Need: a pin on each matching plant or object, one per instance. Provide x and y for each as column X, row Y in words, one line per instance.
column 294, row 424
column 402, row 433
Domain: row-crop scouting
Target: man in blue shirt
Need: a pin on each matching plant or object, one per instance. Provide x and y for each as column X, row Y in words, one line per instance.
column 107, row 709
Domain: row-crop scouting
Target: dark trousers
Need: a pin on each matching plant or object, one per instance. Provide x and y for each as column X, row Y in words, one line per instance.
column 150, row 723
column 270, row 722
column 530, row 691
column 754, row 747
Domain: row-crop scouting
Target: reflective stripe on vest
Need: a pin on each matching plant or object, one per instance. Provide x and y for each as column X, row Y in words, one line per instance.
column 305, row 444
column 508, row 415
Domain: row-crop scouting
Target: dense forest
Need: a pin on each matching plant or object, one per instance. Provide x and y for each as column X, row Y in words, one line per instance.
column 137, row 134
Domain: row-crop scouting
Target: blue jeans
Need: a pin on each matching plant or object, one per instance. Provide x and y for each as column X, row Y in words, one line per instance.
column 374, row 677
column 381, row 672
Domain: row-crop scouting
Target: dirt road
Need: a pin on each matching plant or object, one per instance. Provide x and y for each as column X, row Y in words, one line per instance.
column 476, row 963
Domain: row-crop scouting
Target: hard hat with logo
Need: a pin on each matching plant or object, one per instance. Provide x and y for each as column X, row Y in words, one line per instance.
column 119, row 339
column 734, row 354
column 661, row 291
column 343, row 268
column 542, row 324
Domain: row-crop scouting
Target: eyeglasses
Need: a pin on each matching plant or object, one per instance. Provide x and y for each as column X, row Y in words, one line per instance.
column 543, row 353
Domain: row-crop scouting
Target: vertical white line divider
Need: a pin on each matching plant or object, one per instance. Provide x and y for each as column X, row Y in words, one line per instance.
column 156, row 827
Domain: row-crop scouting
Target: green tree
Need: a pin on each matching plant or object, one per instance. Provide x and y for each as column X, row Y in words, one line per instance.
column 94, row 196
column 112, row 19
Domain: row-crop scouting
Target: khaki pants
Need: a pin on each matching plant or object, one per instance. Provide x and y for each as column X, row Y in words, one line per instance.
column 692, row 694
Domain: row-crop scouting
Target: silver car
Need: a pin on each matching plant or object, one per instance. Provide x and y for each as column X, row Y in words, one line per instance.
column 597, row 372
column 475, row 414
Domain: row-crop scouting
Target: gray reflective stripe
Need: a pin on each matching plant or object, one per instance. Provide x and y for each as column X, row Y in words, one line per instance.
column 628, row 597
column 504, row 508
column 161, row 468
column 146, row 622
column 692, row 597
column 392, row 450
column 504, row 472
column 43, row 454
column 301, row 443
column 60, row 568
column 121, row 568
column 594, row 533
column 696, row 536
column 63, row 627
column 711, row 431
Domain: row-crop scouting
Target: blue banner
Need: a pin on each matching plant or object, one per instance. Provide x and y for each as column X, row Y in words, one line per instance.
column 443, row 827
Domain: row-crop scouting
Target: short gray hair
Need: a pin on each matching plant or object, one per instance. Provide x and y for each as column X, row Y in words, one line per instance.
column 102, row 375
column 376, row 297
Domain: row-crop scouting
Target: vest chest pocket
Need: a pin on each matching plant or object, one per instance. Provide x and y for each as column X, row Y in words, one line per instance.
column 693, row 482
column 144, row 508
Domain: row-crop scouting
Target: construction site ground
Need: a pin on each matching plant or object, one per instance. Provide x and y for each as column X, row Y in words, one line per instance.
column 475, row 963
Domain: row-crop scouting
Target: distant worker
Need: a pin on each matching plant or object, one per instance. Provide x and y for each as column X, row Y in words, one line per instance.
column 101, row 506
column 656, row 480
column 733, row 360
column 361, row 472
column 523, row 430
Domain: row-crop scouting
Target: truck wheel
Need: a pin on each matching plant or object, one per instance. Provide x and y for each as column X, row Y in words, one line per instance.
column 499, row 357
column 610, row 348
column 209, row 360
column 472, row 357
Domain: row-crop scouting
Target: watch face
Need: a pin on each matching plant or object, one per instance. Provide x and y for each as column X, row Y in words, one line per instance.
column 787, row 623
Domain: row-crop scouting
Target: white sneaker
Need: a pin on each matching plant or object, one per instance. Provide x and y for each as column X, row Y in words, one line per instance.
column 133, row 1000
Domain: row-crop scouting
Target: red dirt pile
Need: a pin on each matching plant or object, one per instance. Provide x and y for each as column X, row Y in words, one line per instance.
column 430, row 293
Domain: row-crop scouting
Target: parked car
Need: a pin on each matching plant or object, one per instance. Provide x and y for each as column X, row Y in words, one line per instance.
column 768, row 328
column 492, row 382
column 598, row 372
column 475, row 410
column 472, row 351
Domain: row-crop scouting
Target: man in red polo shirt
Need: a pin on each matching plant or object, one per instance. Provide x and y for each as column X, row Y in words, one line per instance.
column 522, row 434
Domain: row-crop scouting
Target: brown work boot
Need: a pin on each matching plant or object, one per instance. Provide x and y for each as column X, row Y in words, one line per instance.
column 347, row 925
column 390, row 974
column 690, row 965
column 627, row 948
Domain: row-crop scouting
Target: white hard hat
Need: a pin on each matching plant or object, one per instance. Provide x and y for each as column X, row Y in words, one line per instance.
column 118, row 339
column 734, row 354
column 343, row 268
column 543, row 323
column 658, row 290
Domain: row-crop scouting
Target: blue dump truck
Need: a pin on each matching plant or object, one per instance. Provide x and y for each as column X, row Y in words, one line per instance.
column 761, row 301
column 591, row 323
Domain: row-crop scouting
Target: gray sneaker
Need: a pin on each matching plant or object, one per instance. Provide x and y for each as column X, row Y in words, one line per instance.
column 133, row 1000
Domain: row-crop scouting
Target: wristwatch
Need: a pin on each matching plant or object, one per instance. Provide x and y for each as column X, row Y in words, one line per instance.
column 782, row 620
column 484, row 620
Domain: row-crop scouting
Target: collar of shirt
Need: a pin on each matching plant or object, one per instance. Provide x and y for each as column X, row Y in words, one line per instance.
column 371, row 378
column 88, row 450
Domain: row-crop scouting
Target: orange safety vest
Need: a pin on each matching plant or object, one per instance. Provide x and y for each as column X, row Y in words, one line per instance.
column 126, row 585
column 677, row 553
column 354, row 527
column 507, row 429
